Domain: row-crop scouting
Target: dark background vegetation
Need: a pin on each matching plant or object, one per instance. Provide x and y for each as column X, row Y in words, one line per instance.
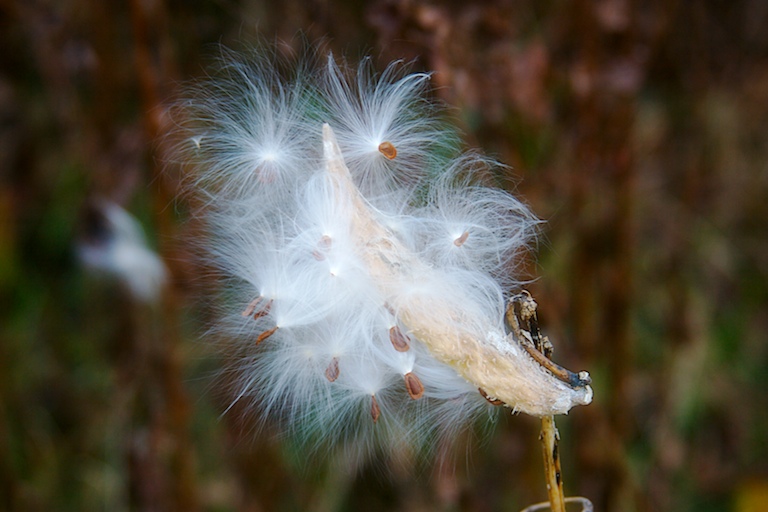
column 638, row 130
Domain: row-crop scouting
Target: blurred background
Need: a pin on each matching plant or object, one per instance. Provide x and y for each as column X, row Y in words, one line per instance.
column 637, row 130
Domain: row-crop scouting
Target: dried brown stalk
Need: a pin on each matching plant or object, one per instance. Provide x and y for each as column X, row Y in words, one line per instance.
column 523, row 322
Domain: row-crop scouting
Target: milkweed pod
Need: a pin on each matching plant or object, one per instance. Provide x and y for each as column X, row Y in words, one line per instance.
column 474, row 344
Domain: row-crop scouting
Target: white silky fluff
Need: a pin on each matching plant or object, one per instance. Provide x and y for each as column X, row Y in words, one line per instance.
column 251, row 137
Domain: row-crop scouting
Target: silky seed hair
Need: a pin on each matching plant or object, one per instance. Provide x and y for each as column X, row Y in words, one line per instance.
column 365, row 267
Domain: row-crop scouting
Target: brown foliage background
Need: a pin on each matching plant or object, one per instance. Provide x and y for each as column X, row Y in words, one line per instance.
column 638, row 130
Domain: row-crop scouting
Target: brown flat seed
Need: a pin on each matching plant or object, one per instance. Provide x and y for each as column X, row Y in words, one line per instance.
column 375, row 411
column 249, row 309
column 263, row 311
column 414, row 386
column 387, row 149
column 463, row 238
column 491, row 400
column 323, row 246
column 398, row 339
column 332, row 372
column 265, row 335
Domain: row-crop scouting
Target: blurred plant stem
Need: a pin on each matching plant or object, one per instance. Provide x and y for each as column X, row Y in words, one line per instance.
column 154, row 69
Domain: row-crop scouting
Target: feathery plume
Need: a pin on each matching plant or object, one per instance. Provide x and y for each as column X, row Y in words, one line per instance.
column 367, row 267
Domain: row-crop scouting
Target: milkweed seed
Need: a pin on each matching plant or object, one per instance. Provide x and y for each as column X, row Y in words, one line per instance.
column 387, row 149
column 251, row 307
column 398, row 339
column 323, row 246
column 263, row 311
column 375, row 411
column 265, row 335
column 332, row 372
column 414, row 386
column 463, row 238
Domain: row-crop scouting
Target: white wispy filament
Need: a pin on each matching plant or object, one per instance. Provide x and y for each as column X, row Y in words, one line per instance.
column 367, row 268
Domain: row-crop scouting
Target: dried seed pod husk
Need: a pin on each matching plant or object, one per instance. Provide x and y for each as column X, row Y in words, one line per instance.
column 491, row 400
column 477, row 347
